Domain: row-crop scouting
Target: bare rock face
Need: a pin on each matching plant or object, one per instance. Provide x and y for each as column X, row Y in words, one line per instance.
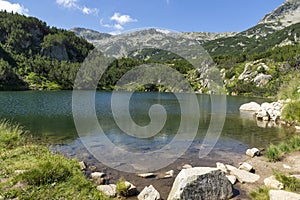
column 58, row 51
column 201, row 183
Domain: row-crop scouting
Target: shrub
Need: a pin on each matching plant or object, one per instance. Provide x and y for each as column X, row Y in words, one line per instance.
column 121, row 187
column 290, row 183
column 273, row 153
column 261, row 194
column 10, row 135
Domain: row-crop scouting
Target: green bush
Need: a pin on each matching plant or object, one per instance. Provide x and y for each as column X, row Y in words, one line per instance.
column 121, row 188
column 291, row 112
column 10, row 135
column 273, row 153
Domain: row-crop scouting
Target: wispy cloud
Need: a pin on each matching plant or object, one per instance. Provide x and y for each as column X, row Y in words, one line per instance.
column 122, row 19
column 74, row 4
column 13, row 7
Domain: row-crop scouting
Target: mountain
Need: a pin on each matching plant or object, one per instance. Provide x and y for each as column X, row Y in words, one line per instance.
column 90, row 35
column 285, row 15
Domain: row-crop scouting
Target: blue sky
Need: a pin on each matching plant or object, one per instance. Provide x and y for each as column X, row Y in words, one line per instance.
column 115, row 16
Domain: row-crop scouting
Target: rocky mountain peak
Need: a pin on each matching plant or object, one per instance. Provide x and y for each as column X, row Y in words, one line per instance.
column 285, row 15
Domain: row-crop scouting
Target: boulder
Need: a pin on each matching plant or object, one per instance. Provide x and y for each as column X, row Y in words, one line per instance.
column 271, row 182
column 247, row 167
column 253, row 152
column 149, row 193
column 109, row 190
column 262, row 115
column 201, row 183
column 252, row 107
column 297, row 128
column 242, row 175
column 283, row 195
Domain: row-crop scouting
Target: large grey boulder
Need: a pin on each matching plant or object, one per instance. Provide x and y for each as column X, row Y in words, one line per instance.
column 250, row 107
column 201, row 183
column 149, row 193
column 283, row 195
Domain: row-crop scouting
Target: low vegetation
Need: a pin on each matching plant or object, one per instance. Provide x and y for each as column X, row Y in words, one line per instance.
column 29, row 171
column 289, row 183
column 261, row 194
column 275, row 153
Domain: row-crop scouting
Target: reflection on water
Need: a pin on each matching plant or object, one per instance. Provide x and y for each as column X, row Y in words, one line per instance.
column 48, row 115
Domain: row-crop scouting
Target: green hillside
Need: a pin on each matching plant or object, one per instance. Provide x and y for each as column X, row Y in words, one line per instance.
column 36, row 56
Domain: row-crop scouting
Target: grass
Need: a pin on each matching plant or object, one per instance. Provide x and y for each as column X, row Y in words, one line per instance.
column 122, row 188
column 46, row 175
column 274, row 153
column 291, row 112
column 290, row 183
column 261, row 194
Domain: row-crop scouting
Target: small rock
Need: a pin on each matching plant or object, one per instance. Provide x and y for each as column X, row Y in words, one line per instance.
column 283, row 195
column 169, row 174
column 82, row 165
column 149, row 193
column 109, row 190
column 232, row 179
column 242, row 175
column 247, row 167
column 147, row 175
column 187, row 166
column 253, row 152
column 131, row 189
column 221, row 167
column 98, row 178
column 92, row 168
column 273, row 183
column 296, row 176
column 286, row 166
column 297, row 128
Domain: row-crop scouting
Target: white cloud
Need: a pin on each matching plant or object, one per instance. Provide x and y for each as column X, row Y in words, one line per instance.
column 73, row 4
column 67, row 3
column 118, row 27
column 122, row 19
column 89, row 11
column 13, row 7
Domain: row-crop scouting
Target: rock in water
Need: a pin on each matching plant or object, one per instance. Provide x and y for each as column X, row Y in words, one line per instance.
column 201, row 183
column 283, row 195
column 149, row 193
column 251, row 107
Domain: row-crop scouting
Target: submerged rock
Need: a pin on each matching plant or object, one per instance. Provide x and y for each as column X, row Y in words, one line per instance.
column 201, row 183
column 149, row 193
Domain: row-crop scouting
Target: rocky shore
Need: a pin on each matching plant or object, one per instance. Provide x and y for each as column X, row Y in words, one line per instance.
column 222, row 181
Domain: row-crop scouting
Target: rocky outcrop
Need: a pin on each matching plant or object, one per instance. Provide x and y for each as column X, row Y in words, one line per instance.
column 283, row 195
column 201, row 183
column 149, row 193
column 57, row 51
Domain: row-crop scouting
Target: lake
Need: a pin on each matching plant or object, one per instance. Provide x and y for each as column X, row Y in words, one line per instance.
column 48, row 116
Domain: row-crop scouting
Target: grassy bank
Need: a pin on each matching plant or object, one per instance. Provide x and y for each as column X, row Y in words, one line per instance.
column 29, row 171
